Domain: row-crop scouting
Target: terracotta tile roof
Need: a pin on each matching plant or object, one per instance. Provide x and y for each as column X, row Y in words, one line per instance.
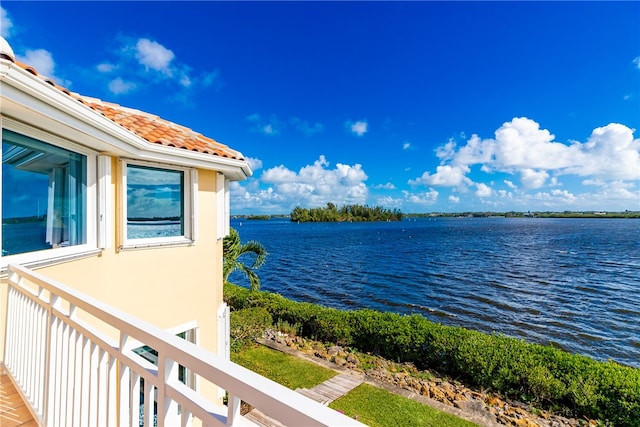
column 148, row 126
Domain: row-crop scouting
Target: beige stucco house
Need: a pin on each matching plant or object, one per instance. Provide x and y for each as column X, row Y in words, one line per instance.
column 82, row 169
column 116, row 203
column 111, row 305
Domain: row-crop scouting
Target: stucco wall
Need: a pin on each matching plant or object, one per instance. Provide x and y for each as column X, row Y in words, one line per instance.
column 166, row 286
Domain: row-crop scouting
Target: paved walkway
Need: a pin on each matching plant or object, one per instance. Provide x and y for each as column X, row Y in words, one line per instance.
column 324, row 393
column 333, row 388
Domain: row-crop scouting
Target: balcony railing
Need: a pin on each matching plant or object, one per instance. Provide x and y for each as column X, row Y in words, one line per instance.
column 74, row 373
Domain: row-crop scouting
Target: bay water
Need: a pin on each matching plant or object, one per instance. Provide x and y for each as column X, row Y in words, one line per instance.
column 570, row 283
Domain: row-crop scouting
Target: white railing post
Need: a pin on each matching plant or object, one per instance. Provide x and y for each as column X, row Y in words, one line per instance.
column 149, row 392
column 233, row 403
column 124, row 383
column 76, row 411
column 50, row 358
column 134, row 396
column 85, row 374
column 41, row 353
column 102, row 379
column 167, row 407
column 94, row 362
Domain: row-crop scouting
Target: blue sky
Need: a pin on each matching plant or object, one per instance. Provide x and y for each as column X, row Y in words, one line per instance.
column 421, row 106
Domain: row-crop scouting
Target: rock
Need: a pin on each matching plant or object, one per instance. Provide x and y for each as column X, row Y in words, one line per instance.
column 321, row 354
column 335, row 350
column 494, row 401
column 425, row 390
column 450, row 392
column 437, row 394
column 339, row 361
column 475, row 406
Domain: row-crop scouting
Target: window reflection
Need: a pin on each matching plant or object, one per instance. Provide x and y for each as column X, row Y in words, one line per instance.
column 155, row 202
column 43, row 195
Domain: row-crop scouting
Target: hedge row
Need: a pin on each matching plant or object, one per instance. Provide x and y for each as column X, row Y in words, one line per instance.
column 544, row 376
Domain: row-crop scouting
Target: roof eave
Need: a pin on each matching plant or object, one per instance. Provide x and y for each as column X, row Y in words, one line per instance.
column 103, row 134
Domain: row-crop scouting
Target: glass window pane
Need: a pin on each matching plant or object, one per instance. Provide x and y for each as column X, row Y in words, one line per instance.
column 155, row 202
column 43, row 195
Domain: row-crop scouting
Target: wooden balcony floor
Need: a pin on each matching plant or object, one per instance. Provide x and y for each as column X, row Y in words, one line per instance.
column 13, row 410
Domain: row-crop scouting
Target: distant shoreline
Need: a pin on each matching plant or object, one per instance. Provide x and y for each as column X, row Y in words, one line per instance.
column 566, row 214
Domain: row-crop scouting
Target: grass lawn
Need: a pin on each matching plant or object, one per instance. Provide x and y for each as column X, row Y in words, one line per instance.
column 287, row 370
column 377, row 407
column 373, row 406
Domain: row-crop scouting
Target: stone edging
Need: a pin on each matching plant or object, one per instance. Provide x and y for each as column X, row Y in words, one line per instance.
column 455, row 399
column 478, row 418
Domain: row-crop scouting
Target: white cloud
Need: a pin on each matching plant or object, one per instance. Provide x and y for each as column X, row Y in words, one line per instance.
column 510, row 184
column 41, row 60
column 636, row 62
column 614, row 190
column 105, row 67
column 263, row 126
column 521, row 148
column 5, row 23
column 522, row 167
column 118, row 86
column 423, row 199
column 483, row 190
column 143, row 62
column 185, row 80
column 313, row 185
column 387, row 186
column 533, row 179
column 446, row 176
column 406, row 145
column 269, row 130
column 359, row 127
column 521, row 144
column 389, row 202
column 279, row 175
column 254, row 164
column 153, row 55
column 446, row 151
column 248, row 196
column 611, row 152
column 556, row 198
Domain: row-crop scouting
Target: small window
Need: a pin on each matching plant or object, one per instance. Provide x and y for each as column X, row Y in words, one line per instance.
column 158, row 204
column 185, row 376
column 44, row 195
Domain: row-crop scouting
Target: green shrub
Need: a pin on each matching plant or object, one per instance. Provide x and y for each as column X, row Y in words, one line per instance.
column 542, row 375
column 247, row 325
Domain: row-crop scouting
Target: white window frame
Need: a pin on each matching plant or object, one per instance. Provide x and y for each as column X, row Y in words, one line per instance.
column 62, row 254
column 222, row 206
column 190, row 192
column 105, row 203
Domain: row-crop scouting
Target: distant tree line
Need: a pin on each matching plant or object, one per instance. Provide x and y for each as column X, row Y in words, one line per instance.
column 259, row 217
column 348, row 213
column 536, row 214
column 155, row 218
column 24, row 219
